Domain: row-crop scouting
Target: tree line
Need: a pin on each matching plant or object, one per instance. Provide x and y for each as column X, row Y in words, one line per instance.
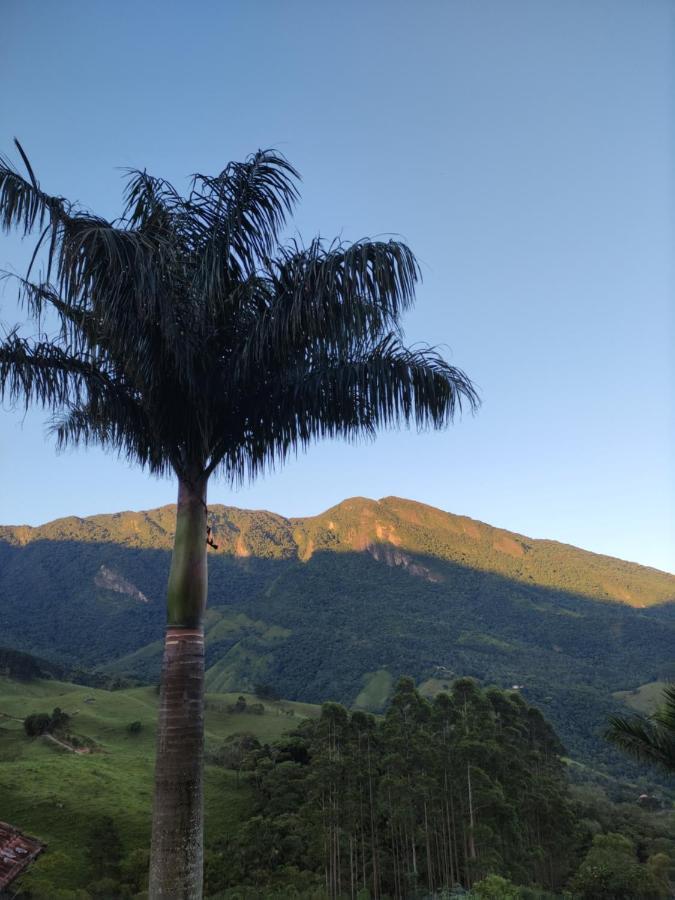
column 435, row 794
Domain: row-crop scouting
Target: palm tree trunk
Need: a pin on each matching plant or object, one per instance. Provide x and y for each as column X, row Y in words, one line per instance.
column 176, row 856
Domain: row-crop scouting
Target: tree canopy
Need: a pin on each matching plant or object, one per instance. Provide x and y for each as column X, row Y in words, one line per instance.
column 192, row 337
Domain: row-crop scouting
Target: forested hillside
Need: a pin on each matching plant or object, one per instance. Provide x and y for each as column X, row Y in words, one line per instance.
column 339, row 605
column 300, row 801
column 434, row 794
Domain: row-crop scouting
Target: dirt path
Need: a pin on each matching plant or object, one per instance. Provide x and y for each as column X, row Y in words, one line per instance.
column 65, row 745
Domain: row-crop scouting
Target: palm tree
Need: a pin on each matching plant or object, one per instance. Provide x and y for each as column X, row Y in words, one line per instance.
column 191, row 341
column 649, row 739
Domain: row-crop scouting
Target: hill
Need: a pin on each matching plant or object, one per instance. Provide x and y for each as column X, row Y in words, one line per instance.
column 338, row 605
column 62, row 799
column 266, row 830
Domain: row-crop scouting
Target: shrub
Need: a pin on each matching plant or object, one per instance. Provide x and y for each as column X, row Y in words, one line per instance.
column 494, row 887
column 232, row 753
column 36, row 724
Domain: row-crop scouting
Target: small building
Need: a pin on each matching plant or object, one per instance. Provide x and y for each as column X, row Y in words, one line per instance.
column 17, row 852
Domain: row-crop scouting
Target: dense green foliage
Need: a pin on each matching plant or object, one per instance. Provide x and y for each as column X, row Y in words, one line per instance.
column 25, row 666
column 36, row 724
column 435, row 794
column 610, row 871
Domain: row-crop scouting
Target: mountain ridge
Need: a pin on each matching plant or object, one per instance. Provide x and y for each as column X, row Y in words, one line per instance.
column 362, row 524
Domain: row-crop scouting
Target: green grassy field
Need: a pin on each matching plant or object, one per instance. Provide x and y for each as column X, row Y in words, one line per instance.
column 54, row 795
column 645, row 698
column 433, row 686
column 376, row 689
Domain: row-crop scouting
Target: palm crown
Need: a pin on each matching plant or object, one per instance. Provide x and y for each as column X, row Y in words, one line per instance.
column 192, row 339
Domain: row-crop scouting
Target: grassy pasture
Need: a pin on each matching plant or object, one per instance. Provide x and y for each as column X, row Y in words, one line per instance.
column 643, row 699
column 376, row 689
column 55, row 795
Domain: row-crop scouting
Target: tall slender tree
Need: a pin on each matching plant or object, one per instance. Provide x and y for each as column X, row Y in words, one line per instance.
column 192, row 341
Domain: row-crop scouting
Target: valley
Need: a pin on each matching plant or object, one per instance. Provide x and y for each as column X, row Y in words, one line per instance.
column 338, row 606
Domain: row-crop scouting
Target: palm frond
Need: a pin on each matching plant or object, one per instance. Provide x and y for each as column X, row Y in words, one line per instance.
column 664, row 715
column 651, row 739
column 117, row 422
column 336, row 295
column 321, row 394
column 238, row 215
column 44, row 373
column 33, row 297
column 327, row 290
column 247, row 204
column 99, row 262
column 150, row 203
column 23, row 204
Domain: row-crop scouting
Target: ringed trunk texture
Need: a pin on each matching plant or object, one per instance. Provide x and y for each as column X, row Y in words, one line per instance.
column 176, row 855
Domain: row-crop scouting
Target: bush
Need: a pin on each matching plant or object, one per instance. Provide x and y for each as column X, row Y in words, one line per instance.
column 41, row 882
column 41, row 723
column 104, row 848
column 611, row 870
column 36, row 724
column 494, row 887
column 134, row 727
column 240, row 705
column 232, row 753
column 59, row 720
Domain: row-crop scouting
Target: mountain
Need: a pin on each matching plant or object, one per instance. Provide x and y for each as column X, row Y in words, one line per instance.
column 388, row 529
column 340, row 604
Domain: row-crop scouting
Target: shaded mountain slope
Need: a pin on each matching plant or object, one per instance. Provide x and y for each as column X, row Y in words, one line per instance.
column 338, row 605
column 389, row 529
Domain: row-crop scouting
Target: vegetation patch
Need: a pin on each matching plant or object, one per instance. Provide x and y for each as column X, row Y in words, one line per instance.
column 643, row 699
column 477, row 639
column 375, row 692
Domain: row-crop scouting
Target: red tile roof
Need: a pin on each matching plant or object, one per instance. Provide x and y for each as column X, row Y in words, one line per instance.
column 16, row 853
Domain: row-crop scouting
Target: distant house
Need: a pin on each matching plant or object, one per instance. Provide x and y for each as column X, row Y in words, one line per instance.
column 17, row 852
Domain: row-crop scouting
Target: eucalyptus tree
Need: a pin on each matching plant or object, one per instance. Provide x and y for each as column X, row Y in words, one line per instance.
column 192, row 340
column 649, row 739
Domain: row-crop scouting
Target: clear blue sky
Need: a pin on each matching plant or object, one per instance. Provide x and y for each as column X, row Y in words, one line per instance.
column 525, row 151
